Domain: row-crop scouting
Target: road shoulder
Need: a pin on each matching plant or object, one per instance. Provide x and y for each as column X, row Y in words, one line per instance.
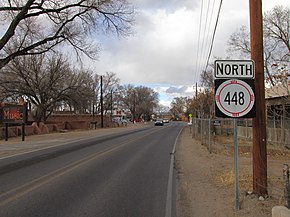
column 206, row 183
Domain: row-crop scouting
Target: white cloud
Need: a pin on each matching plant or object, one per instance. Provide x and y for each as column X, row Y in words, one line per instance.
column 163, row 48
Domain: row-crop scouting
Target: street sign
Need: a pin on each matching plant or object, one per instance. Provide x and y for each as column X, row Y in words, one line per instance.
column 235, row 98
column 238, row 69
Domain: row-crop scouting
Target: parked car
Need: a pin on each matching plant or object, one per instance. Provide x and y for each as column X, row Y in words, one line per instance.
column 120, row 121
column 158, row 122
column 124, row 122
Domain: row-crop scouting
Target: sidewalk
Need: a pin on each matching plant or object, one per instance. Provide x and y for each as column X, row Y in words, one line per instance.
column 15, row 146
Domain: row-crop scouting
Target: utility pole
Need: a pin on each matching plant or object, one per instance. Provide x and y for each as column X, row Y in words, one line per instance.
column 259, row 122
column 111, row 104
column 196, row 99
column 101, row 101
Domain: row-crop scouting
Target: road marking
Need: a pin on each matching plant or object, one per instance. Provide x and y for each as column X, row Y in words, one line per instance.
column 168, row 207
column 17, row 193
column 64, row 143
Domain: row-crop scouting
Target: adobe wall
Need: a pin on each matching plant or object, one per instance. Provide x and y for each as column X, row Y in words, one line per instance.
column 56, row 123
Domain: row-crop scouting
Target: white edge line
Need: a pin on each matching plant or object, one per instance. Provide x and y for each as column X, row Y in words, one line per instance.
column 170, row 180
column 44, row 148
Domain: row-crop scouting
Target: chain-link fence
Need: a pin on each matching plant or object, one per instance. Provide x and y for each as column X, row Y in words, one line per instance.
column 206, row 129
column 217, row 136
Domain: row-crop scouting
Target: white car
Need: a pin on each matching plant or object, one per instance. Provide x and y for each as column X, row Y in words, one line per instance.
column 159, row 122
column 165, row 120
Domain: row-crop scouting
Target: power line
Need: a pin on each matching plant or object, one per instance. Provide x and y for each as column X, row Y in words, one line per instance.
column 206, row 26
column 198, row 42
column 202, row 59
column 215, row 28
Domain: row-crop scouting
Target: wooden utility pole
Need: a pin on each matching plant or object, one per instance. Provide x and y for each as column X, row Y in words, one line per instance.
column 259, row 123
column 101, row 101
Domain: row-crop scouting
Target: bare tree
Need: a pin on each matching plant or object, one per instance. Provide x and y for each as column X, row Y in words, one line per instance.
column 207, row 80
column 147, row 100
column 276, row 43
column 276, row 26
column 80, row 99
column 239, row 42
column 127, row 95
column 110, row 86
column 178, row 106
column 139, row 100
column 37, row 26
column 44, row 81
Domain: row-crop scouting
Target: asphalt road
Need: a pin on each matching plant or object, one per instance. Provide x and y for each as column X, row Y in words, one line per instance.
column 120, row 175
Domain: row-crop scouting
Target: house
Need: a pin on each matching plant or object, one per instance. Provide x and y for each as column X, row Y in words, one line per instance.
column 278, row 105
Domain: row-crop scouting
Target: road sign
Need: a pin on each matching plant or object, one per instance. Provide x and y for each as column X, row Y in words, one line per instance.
column 238, row 69
column 235, row 98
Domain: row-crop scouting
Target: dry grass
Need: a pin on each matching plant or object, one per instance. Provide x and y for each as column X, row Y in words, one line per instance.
column 224, row 145
column 226, row 178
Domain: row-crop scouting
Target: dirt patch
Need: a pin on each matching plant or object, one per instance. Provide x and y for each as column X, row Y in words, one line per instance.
column 206, row 181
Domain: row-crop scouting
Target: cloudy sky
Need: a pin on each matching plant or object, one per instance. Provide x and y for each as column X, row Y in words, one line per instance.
column 169, row 47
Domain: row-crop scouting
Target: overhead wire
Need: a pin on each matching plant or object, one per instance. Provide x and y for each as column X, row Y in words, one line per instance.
column 203, row 45
column 198, row 42
column 202, row 59
column 208, row 32
column 212, row 41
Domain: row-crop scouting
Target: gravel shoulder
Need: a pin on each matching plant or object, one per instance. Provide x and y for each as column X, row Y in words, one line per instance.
column 206, row 181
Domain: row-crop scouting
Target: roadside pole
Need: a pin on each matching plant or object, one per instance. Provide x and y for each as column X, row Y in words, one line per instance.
column 236, row 149
column 259, row 122
column 235, row 98
column 101, row 101
column 209, row 133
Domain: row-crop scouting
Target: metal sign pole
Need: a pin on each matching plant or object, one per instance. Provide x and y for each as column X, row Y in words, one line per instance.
column 6, row 131
column 23, row 131
column 237, row 206
column 235, row 98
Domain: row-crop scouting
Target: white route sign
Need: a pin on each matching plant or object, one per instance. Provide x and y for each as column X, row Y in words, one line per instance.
column 234, row 98
column 242, row 69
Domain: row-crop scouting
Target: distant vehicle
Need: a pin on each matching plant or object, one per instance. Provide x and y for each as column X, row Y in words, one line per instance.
column 165, row 120
column 124, row 122
column 120, row 121
column 136, row 120
column 159, row 122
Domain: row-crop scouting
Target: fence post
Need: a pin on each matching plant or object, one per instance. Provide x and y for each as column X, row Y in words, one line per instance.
column 209, row 132
column 195, row 127
column 201, row 130
column 287, row 185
